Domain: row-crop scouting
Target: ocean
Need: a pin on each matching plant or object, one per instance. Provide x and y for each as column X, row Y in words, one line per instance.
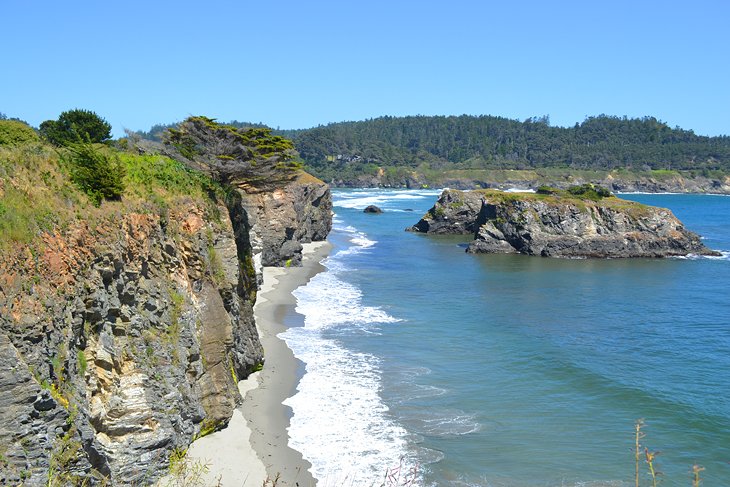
column 509, row 370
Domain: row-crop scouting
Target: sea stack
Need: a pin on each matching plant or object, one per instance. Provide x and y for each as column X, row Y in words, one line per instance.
column 582, row 222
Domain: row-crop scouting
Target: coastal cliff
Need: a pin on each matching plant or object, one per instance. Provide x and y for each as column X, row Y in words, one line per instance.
column 124, row 327
column 560, row 224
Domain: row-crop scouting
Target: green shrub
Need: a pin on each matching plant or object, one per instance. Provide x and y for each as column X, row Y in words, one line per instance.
column 13, row 132
column 544, row 189
column 99, row 175
column 590, row 191
column 76, row 126
column 81, row 362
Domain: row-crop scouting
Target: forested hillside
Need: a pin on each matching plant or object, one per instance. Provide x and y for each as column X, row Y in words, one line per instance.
column 441, row 143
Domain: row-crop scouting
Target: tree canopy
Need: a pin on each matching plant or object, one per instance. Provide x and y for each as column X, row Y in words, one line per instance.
column 251, row 156
column 76, row 126
column 487, row 142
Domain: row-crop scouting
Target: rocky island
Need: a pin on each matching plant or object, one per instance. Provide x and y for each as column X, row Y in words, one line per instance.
column 581, row 222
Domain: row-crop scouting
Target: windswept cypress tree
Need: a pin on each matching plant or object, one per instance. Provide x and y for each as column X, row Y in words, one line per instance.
column 242, row 156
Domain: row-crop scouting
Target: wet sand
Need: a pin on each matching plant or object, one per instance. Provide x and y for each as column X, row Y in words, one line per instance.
column 254, row 448
column 267, row 417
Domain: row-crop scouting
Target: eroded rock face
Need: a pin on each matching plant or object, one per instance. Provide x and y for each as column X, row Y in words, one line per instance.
column 281, row 220
column 119, row 343
column 561, row 227
column 454, row 213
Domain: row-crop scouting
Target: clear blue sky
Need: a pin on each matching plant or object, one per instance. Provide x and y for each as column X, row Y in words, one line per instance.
column 297, row 64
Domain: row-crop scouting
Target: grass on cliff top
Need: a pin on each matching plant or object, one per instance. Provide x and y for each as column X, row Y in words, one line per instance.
column 37, row 194
column 560, row 197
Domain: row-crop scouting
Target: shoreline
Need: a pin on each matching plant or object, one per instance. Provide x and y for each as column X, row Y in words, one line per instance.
column 254, row 447
column 265, row 414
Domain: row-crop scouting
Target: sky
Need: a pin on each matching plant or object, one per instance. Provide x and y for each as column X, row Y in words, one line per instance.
column 299, row 64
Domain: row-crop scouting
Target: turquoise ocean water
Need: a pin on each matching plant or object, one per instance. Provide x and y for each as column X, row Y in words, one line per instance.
column 495, row 370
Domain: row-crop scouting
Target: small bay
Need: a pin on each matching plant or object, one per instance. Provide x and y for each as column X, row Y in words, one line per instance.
column 509, row 370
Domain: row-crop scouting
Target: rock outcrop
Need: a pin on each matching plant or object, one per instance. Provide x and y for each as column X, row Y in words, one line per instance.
column 559, row 225
column 280, row 220
column 122, row 338
column 454, row 213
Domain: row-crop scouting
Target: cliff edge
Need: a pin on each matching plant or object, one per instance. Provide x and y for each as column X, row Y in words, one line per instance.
column 558, row 223
column 126, row 324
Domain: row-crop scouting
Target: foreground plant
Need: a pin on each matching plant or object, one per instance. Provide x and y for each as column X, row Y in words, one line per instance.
column 650, row 457
column 401, row 476
column 696, row 469
column 638, row 435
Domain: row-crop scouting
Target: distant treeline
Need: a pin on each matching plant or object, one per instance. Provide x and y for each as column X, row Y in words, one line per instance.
column 486, row 142
column 429, row 144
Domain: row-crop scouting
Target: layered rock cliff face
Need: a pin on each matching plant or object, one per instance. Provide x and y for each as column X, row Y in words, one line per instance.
column 555, row 226
column 283, row 219
column 123, row 337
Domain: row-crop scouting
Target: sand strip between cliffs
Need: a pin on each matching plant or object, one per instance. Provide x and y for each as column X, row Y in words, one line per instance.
column 254, row 446
column 267, row 417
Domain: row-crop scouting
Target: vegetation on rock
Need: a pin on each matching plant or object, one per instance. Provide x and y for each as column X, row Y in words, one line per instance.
column 583, row 191
column 45, row 190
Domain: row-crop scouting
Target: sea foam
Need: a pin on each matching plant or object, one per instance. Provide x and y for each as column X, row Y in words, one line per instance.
column 340, row 423
column 359, row 200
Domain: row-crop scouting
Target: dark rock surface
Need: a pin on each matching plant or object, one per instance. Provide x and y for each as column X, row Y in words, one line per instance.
column 453, row 214
column 554, row 226
column 372, row 209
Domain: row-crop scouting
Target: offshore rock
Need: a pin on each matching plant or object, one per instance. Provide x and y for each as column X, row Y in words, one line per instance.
column 563, row 226
column 372, row 209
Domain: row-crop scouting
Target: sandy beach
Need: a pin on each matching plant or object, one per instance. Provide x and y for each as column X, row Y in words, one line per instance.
column 254, row 446
column 267, row 417
column 228, row 454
